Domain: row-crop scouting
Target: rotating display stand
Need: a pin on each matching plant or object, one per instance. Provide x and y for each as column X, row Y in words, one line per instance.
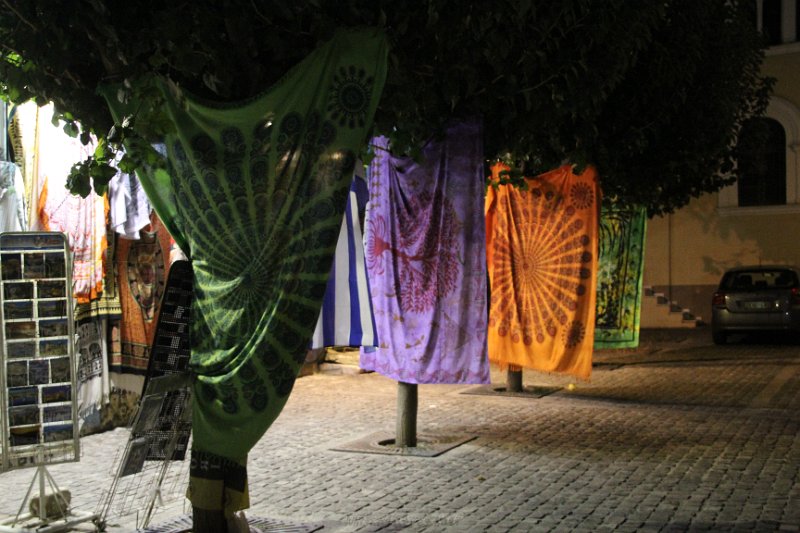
column 38, row 387
column 160, row 429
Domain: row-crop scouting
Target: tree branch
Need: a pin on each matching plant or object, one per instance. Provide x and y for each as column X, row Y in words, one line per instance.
column 112, row 68
column 13, row 51
column 259, row 13
column 20, row 16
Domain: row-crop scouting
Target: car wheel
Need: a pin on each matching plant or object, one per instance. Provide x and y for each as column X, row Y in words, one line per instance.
column 719, row 337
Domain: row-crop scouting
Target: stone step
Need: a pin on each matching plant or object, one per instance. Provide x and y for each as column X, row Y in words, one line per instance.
column 659, row 312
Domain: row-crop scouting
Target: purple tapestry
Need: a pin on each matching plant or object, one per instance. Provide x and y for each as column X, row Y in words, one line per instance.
column 426, row 260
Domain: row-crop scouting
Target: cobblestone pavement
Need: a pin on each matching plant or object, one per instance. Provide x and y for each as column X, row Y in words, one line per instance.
column 677, row 435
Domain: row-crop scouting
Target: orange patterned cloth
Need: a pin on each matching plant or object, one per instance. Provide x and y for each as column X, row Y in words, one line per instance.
column 542, row 260
column 142, row 267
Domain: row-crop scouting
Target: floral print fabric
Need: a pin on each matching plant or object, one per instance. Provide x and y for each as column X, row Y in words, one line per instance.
column 425, row 248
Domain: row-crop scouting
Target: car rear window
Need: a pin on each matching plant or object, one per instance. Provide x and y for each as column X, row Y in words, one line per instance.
column 759, row 279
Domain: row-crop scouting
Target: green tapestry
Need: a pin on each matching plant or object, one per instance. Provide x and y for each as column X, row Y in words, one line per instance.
column 254, row 194
column 619, row 277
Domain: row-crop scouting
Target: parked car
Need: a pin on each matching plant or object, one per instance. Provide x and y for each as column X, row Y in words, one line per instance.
column 756, row 298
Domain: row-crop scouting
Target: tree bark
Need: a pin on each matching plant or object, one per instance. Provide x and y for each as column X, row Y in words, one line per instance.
column 205, row 521
column 514, row 379
column 406, row 429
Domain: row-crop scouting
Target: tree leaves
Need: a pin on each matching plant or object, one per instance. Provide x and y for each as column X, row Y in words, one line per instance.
column 652, row 93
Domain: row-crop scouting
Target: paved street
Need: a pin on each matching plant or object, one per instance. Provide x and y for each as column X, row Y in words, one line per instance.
column 678, row 435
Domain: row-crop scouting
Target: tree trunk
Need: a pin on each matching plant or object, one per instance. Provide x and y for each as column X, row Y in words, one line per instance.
column 406, row 430
column 514, row 379
column 205, row 521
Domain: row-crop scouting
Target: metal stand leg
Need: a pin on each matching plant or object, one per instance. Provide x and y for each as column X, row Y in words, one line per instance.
column 30, row 523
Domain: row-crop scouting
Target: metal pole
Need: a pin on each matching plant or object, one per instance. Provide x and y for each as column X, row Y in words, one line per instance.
column 407, row 401
column 42, row 494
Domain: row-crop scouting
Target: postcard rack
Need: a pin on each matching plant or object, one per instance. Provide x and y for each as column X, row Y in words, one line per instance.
column 38, row 388
column 151, row 471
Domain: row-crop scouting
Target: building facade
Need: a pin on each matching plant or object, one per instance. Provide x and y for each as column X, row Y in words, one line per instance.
column 754, row 221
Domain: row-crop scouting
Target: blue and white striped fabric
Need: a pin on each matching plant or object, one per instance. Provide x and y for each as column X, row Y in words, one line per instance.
column 346, row 317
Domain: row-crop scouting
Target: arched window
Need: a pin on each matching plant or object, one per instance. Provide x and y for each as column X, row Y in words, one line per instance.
column 771, row 12
column 778, row 22
column 768, row 156
column 762, row 163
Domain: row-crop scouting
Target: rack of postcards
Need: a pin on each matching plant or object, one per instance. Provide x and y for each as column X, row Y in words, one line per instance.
column 37, row 374
column 151, row 471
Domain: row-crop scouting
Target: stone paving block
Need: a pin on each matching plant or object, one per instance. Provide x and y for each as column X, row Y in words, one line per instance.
column 667, row 441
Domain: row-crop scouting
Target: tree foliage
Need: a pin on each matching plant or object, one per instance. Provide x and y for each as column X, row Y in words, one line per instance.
column 651, row 92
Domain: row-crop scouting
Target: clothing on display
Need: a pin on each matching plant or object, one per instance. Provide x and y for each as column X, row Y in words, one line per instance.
column 83, row 220
column 35, row 140
column 5, row 148
column 619, row 277
column 254, row 195
column 93, row 383
column 12, row 199
column 143, row 266
column 346, row 318
column 542, row 258
column 45, row 154
column 426, row 259
column 23, row 132
column 107, row 304
column 129, row 208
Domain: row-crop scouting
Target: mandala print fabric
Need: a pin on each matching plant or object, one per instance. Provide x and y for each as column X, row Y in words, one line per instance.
column 619, row 277
column 255, row 198
column 426, row 259
column 542, row 257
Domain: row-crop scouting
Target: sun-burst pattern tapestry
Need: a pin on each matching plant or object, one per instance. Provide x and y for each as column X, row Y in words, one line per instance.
column 254, row 195
column 619, row 277
column 426, row 260
column 542, row 260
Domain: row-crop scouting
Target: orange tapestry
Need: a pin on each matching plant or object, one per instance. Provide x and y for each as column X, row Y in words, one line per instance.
column 542, row 259
column 142, row 269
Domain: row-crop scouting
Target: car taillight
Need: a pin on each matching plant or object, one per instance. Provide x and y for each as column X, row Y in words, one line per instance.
column 718, row 300
column 794, row 299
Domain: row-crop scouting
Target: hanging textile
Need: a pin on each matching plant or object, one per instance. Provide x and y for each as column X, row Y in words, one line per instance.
column 99, row 322
column 426, row 259
column 255, row 198
column 542, row 257
column 93, row 384
column 619, row 277
column 6, row 150
column 125, row 386
column 83, row 220
column 94, row 320
column 142, row 267
column 129, row 209
column 12, row 199
column 23, row 130
column 108, row 304
column 346, row 317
